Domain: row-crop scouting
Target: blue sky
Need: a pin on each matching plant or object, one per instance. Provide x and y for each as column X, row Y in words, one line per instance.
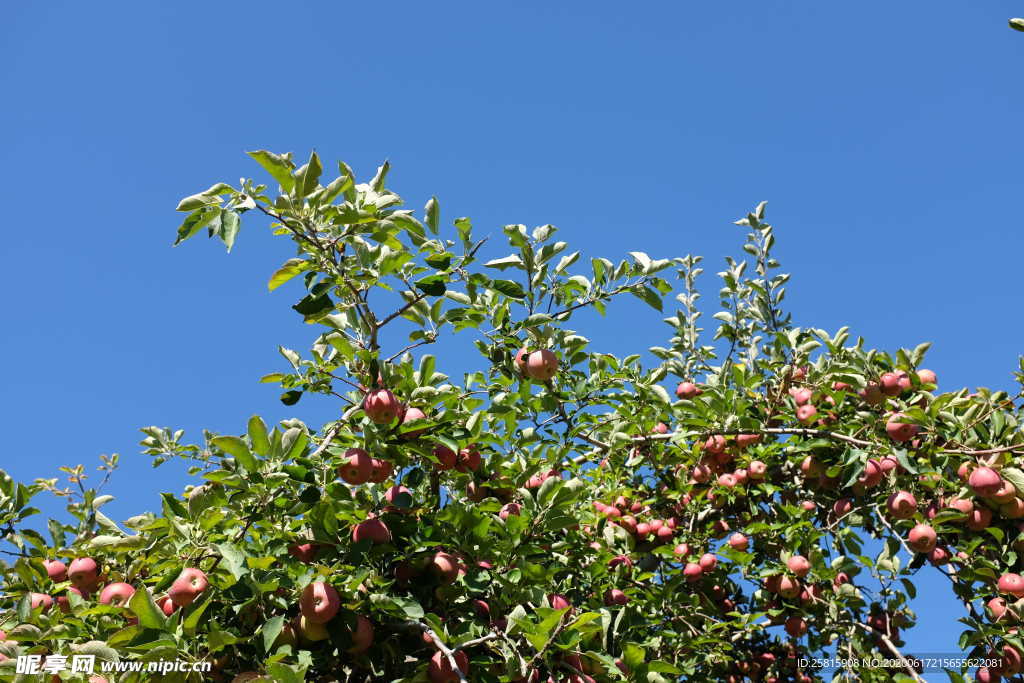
column 884, row 135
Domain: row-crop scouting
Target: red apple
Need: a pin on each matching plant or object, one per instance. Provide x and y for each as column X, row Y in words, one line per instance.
column 56, row 570
column 922, row 538
column 468, row 459
column 381, row 406
column 715, row 444
column 84, row 574
column 757, row 470
column 312, row 631
column 188, row 586
column 166, row 605
column 41, row 600
column 900, row 431
column 559, row 602
column 796, row 626
column 984, row 481
column 1011, row 584
column 445, row 566
column 541, row 365
column 520, row 360
column 902, row 505
column 372, row 530
column 362, row 638
column 382, row 470
column 799, row 565
column 927, row 377
column 708, row 562
column 890, row 384
column 411, row 415
column 357, row 466
column 117, row 594
column 688, row 390
column 614, row 596
column 693, row 572
column 440, row 669
column 398, row 495
column 446, row 457
column 872, row 394
column 319, row 602
column 739, row 542
column 303, row 552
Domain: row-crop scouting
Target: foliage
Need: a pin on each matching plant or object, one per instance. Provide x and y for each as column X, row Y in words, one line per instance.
column 594, row 481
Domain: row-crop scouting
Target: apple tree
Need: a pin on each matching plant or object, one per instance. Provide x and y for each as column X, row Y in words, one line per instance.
column 734, row 501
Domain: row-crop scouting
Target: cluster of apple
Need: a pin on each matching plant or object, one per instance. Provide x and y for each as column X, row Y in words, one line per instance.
column 85, row 578
column 319, row 603
column 621, row 513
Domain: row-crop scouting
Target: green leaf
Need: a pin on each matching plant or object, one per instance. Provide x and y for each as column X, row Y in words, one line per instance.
column 210, row 196
column 290, row 398
column 1017, row 24
column 229, row 225
column 236, row 447
column 145, row 609
column 258, row 435
column 1014, row 476
column 633, row 655
column 271, row 630
column 434, row 285
column 290, row 269
column 194, row 612
column 432, row 211
column 233, row 559
column 509, row 288
column 194, row 222
column 280, row 167
column 282, row 673
column 308, row 177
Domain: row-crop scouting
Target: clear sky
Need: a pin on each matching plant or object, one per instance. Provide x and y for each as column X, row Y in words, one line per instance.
column 885, row 135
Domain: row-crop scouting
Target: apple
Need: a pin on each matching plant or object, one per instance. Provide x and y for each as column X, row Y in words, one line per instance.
column 808, row 505
column 811, row 467
column 381, row 406
column 715, row 444
column 440, row 669
column 362, row 637
column 890, row 384
column 796, row 626
column 357, row 466
column 889, row 464
column 1005, row 493
column 984, row 481
column 938, row 556
column 166, row 605
column 799, row 565
column 40, row 600
column 900, row 431
column 996, row 608
column 382, row 470
column 688, row 390
column 660, row 428
column 520, row 360
column 303, row 552
column 744, row 441
column 468, row 459
column 872, row 394
column 445, row 566
column 319, row 602
column 927, row 377
column 1014, row 509
column 372, row 530
column 56, row 570
column 84, row 574
column 757, row 470
column 510, row 509
column 708, row 562
column 411, row 415
column 788, row 588
column 727, row 480
column 614, row 596
column 739, row 542
column 693, row 572
column 559, row 602
column 312, row 631
column 682, row 550
column 398, row 495
column 961, row 504
column 902, row 505
column 117, row 594
column 541, row 365
column 872, row 474
column 979, row 519
column 188, row 586
column 922, row 538
column 1011, row 584
column 620, row 561
column 801, row 396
